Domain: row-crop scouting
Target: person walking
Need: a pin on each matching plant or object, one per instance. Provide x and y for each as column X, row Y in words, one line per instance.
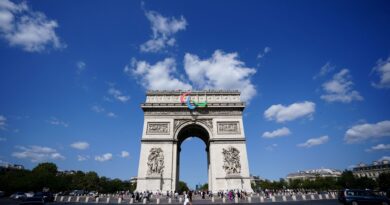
column 190, row 196
column 186, row 199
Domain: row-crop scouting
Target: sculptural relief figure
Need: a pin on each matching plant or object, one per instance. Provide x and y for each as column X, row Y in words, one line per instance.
column 231, row 162
column 155, row 161
column 158, row 128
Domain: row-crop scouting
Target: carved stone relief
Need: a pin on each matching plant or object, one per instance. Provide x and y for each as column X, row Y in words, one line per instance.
column 157, row 128
column 156, row 161
column 231, row 161
column 207, row 122
column 228, row 127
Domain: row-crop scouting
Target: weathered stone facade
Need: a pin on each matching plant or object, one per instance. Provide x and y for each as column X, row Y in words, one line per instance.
column 168, row 122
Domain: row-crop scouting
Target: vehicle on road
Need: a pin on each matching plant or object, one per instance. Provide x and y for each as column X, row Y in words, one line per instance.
column 29, row 194
column 18, row 195
column 77, row 193
column 361, row 197
column 45, row 196
column 93, row 194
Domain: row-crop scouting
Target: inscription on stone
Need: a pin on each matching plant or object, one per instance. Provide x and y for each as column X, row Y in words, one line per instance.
column 158, row 128
column 228, row 127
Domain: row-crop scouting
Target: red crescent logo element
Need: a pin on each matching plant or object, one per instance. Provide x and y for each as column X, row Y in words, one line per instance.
column 183, row 97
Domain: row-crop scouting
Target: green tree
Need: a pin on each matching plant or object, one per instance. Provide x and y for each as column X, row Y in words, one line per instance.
column 205, row 186
column 46, row 167
column 44, row 176
column 384, row 181
column 182, row 187
column 347, row 180
column 365, row 183
column 91, row 181
column 295, row 184
column 78, row 181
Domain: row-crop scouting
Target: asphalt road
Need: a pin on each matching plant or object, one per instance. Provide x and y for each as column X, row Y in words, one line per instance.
column 6, row 201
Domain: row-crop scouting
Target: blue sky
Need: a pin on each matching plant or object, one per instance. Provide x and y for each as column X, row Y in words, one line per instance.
column 315, row 76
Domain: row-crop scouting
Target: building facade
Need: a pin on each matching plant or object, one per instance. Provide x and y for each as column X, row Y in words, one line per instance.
column 372, row 170
column 313, row 174
column 170, row 117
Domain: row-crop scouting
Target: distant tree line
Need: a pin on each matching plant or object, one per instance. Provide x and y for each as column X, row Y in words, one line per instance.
column 46, row 175
column 346, row 180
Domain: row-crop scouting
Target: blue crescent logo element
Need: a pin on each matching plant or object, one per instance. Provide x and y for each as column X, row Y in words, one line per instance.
column 189, row 105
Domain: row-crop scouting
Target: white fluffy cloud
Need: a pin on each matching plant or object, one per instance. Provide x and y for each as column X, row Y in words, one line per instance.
column 37, row 153
column 382, row 68
column 80, row 145
column 104, row 157
column 271, row 147
column 81, row 158
column 339, row 88
column 28, row 29
column 284, row 131
column 97, row 109
column 125, row 154
column 264, row 52
column 282, row 113
column 367, row 131
column 325, row 69
column 164, row 29
column 314, row 142
column 118, row 95
column 384, row 158
column 111, row 114
column 3, row 122
column 379, row 147
column 159, row 76
column 221, row 71
column 55, row 121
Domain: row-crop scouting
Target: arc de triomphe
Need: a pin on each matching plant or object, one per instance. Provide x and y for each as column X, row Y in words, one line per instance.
column 168, row 122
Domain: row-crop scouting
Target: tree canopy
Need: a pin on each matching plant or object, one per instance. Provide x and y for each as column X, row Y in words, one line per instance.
column 46, row 175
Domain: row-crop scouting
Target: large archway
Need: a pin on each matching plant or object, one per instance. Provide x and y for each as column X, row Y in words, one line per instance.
column 168, row 122
column 188, row 131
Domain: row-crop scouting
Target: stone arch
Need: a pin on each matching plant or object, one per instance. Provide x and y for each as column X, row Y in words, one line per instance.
column 192, row 129
column 196, row 127
column 168, row 122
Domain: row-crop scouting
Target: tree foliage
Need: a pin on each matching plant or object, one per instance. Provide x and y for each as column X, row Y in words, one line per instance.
column 346, row 180
column 182, row 187
column 46, row 175
column 204, row 186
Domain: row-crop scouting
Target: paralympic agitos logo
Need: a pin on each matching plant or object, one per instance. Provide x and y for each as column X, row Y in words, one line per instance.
column 185, row 98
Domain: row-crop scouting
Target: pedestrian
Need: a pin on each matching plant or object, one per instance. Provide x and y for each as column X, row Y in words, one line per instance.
column 190, row 195
column 186, row 199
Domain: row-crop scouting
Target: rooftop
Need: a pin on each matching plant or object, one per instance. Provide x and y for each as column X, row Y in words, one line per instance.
column 178, row 92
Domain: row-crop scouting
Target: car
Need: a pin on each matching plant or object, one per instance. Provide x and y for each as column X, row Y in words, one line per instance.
column 18, row 195
column 361, row 197
column 93, row 194
column 45, row 196
column 29, row 194
column 77, row 193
